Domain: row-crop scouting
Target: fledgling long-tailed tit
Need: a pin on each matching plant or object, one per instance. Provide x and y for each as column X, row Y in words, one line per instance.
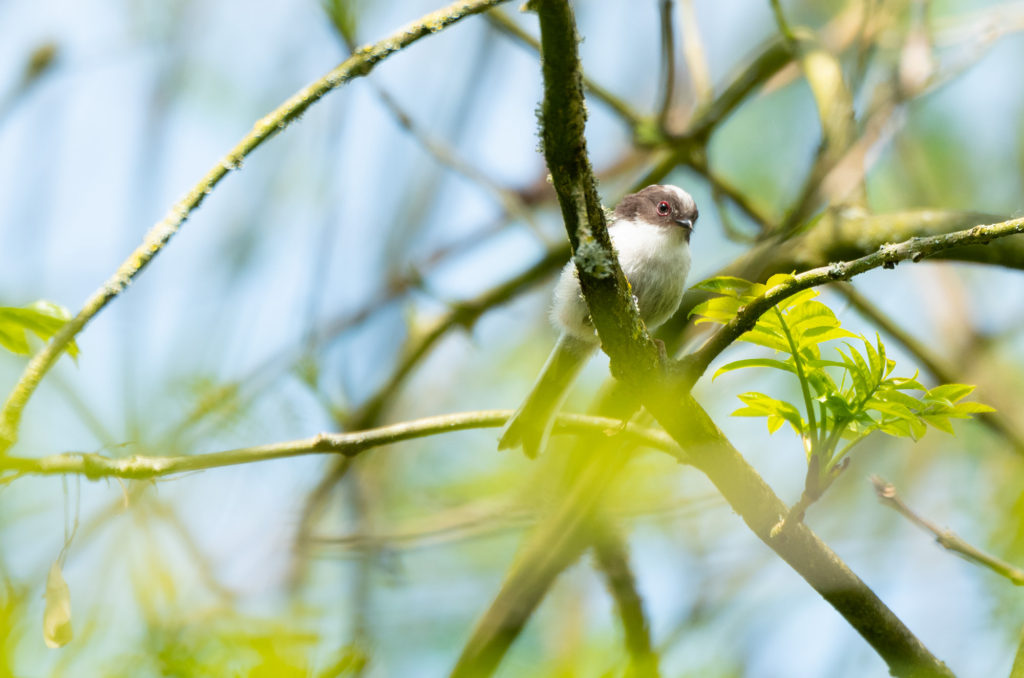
column 651, row 231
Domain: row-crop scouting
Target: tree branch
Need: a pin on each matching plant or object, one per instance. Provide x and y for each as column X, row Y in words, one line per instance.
column 358, row 65
column 613, row 560
column 95, row 466
column 947, row 539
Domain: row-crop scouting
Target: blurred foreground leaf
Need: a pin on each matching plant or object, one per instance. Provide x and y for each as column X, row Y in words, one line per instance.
column 42, row 318
column 57, row 614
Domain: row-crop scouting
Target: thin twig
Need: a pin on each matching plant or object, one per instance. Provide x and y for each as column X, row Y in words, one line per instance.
column 358, row 65
column 506, row 25
column 946, row 538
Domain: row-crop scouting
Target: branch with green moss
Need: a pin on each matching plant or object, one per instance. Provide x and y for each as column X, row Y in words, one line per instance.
column 95, row 466
column 358, row 65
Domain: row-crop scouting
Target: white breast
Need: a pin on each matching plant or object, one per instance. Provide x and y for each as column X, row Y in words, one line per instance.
column 656, row 261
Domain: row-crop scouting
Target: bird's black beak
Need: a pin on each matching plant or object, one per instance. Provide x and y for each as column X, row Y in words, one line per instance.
column 687, row 226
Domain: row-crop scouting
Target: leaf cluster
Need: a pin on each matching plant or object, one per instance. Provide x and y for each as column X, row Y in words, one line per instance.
column 846, row 395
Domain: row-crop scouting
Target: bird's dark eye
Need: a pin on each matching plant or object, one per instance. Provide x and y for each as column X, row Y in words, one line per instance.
column 664, row 208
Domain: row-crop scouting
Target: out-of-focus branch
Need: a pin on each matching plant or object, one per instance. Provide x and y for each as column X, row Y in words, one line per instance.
column 668, row 61
column 612, row 559
column 946, row 538
column 834, row 102
column 40, row 62
column 506, row 25
column 769, row 60
column 510, row 200
column 358, row 65
column 1017, row 671
column 693, row 52
column 94, row 466
column 462, row 314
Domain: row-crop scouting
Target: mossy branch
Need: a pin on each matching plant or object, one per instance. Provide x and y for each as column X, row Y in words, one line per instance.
column 95, row 466
column 563, row 119
column 359, row 64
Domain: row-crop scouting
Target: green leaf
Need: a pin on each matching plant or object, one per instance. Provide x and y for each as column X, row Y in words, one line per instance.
column 42, row 318
column 12, row 337
column 895, row 396
column 893, row 409
column 950, row 392
column 763, row 337
column 717, row 309
column 779, row 279
column 970, row 407
column 898, row 428
column 857, row 370
column 939, row 421
column 823, row 334
column 761, row 405
column 57, row 612
column 801, row 297
column 837, row 405
column 917, row 428
column 906, row 384
column 724, row 284
column 754, row 362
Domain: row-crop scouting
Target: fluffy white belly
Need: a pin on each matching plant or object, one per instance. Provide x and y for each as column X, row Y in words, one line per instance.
column 655, row 260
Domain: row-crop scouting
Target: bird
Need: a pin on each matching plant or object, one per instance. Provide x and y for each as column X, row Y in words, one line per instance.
column 650, row 231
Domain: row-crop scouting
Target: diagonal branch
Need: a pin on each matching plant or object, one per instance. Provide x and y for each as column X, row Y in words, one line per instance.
column 358, row 65
column 946, row 538
column 887, row 256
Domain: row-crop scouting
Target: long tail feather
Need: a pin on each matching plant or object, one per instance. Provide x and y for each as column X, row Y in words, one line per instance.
column 530, row 426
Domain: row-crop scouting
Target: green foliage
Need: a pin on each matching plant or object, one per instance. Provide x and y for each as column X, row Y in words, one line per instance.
column 234, row 645
column 844, row 400
column 41, row 318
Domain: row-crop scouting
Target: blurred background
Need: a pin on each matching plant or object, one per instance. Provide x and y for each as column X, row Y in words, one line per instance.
column 289, row 304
